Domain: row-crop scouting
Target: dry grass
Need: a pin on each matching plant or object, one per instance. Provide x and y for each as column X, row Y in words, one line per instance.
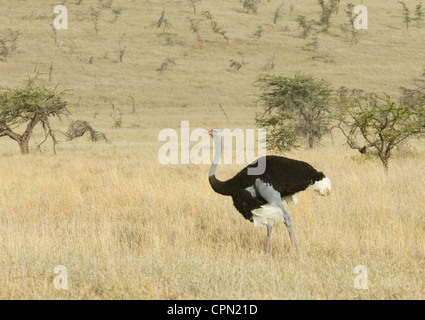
column 127, row 227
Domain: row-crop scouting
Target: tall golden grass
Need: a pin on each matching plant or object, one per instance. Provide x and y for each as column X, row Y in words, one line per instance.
column 127, row 227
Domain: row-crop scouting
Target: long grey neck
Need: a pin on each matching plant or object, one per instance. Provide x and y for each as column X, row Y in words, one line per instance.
column 217, row 155
column 222, row 187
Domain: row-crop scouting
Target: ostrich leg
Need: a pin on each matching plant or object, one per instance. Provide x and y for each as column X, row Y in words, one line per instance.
column 269, row 239
column 273, row 197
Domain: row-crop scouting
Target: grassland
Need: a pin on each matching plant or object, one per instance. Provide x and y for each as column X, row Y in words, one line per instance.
column 127, row 227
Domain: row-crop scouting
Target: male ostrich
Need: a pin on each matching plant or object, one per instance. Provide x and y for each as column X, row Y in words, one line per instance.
column 259, row 197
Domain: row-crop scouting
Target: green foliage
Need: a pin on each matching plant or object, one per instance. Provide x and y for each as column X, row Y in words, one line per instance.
column 4, row 49
column 95, row 15
column 259, row 32
column 281, row 136
column 251, row 5
column 105, row 3
column 214, row 26
column 362, row 158
column 312, row 45
column 28, row 106
column 405, row 14
column 306, row 26
column 13, row 37
column 381, row 122
column 169, row 37
column 349, row 12
column 419, row 13
column 294, row 106
column 116, row 13
column 328, row 9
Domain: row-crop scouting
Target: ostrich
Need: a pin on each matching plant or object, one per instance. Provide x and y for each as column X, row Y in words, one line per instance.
column 259, row 197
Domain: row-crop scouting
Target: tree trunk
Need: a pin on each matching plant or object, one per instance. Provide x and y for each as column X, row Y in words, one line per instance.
column 384, row 161
column 24, row 145
column 310, row 142
column 25, row 137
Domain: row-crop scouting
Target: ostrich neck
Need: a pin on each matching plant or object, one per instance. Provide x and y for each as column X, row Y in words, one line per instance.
column 221, row 187
column 217, row 155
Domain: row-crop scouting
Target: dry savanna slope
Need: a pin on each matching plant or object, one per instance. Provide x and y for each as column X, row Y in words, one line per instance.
column 127, row 227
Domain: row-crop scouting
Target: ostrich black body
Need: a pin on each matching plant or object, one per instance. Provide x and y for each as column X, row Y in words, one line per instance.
column 286, row 176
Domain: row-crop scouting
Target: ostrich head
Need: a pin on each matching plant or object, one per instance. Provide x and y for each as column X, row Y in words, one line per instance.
column 323, row 187
column 215, row 135
column 214, row 132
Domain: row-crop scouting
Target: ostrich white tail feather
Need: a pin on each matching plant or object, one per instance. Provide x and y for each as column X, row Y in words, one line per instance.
column 323, row 187
column 266, row 215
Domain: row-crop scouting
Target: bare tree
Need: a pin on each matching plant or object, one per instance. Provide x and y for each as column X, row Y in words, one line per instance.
column 95, row 15
column 122, row 52
column 195, row 29
column 14, row 36
column 166, row 64
column 78, row 128
column 134, row 105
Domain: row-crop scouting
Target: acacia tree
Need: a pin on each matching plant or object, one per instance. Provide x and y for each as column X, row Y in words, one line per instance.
column 195, row 29
column 4, row 49
column 251, row 5
column 328, row 9
column 23, row 108
column 419, row 13
column 305, row 25
column 294, row 106
column 214, row 26
column 371, row 122
column 13, row 36
column 95, row 15
column 350, row 14
column 405, row 14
